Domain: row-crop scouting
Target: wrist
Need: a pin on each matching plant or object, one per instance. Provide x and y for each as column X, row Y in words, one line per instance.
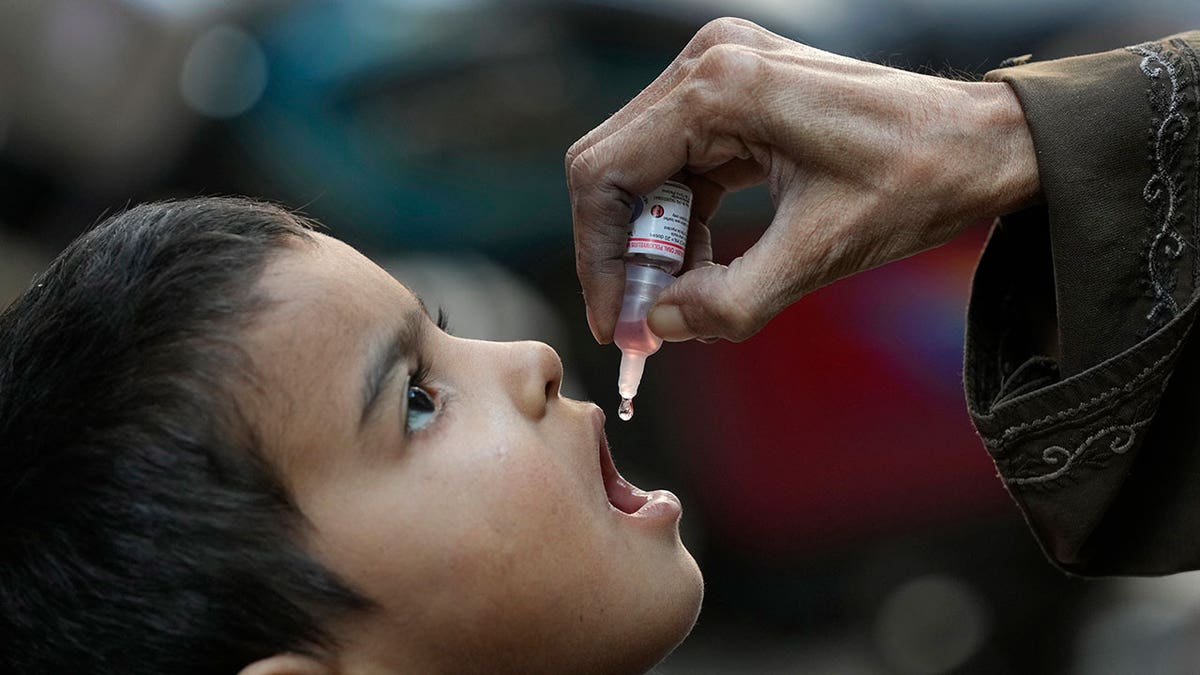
column 1006, row 158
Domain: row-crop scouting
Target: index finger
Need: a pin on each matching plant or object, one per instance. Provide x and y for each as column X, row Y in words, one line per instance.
column 604, row 179
column 726, row 30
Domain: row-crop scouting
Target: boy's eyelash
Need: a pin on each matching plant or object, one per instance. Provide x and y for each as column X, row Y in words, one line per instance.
column 420, row 376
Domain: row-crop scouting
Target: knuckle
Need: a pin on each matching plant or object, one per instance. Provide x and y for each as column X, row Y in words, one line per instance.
column 718, row 31
column 702, row 100
column 582, row 168
column 710, row 34
column 730, row 30
column 738, row 321
column 587, row 258
column 737, row 317
column 572, row 153
column 717, row 81
column 727, row 65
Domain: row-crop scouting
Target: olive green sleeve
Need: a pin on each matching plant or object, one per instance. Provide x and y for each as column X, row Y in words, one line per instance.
column 1081, row 374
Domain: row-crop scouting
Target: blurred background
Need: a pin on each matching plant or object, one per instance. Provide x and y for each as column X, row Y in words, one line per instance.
column 845, row 515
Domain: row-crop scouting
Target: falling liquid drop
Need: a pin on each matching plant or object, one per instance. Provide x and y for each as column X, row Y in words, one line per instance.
column 625, row 411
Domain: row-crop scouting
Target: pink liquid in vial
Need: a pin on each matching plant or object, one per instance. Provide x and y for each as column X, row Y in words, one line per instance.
column 635, row 336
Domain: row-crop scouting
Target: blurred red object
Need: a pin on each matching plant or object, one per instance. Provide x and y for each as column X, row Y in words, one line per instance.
column 844, row 418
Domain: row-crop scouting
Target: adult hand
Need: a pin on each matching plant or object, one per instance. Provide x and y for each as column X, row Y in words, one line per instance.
column 865, row 164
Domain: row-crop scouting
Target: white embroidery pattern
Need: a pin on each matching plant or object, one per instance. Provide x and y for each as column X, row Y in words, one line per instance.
column 1150, row 371
column 1120, row 437
column 1163, row 192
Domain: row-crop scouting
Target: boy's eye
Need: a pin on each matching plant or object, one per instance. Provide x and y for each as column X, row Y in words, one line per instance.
column 421, row 409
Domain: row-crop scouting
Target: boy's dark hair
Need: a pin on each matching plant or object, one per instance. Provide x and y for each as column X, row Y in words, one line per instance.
column 141, row 529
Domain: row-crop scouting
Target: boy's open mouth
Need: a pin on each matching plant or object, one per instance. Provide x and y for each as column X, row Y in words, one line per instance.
column 623, row 495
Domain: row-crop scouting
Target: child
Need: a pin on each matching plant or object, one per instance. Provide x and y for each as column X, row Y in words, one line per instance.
column 229, row 443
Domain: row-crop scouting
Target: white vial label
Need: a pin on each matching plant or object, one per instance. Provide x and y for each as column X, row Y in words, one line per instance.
column 659, row 223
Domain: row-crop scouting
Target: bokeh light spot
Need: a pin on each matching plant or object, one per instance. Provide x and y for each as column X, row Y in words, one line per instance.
column 225, row 72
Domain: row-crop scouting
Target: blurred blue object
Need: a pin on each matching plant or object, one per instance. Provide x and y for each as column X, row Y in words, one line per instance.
column 437, row 125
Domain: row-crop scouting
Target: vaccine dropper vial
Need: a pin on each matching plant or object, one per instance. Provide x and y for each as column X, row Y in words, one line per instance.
column 657, row 240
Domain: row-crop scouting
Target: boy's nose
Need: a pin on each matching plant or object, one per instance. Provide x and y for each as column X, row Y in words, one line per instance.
column 535, row 374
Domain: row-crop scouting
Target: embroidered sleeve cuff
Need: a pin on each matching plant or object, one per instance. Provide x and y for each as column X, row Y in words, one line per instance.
column 1081, row 311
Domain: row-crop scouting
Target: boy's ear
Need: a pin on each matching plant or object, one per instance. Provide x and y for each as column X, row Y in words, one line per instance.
column 287, row 664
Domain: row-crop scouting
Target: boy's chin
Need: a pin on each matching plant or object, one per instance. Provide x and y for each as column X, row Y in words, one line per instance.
column 679, row 615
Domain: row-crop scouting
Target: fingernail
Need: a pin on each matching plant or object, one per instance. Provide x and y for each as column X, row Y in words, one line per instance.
column 667, row 322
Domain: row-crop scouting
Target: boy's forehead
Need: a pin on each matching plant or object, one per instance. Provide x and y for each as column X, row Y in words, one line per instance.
column 327, row 305
column 327, row 278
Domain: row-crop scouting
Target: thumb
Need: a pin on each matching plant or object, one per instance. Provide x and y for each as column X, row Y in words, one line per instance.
column 713, row 301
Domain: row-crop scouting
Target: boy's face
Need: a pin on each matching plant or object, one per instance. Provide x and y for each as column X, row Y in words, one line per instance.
column 472, row 507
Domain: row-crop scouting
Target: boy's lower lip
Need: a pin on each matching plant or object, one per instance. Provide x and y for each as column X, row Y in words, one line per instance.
column 658, row 505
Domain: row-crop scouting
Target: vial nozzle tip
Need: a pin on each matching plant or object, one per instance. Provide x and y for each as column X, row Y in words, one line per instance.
column 625, row 411
column 633, row 364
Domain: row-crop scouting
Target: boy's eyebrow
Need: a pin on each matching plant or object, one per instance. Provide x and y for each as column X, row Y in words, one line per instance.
column 384, row 358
